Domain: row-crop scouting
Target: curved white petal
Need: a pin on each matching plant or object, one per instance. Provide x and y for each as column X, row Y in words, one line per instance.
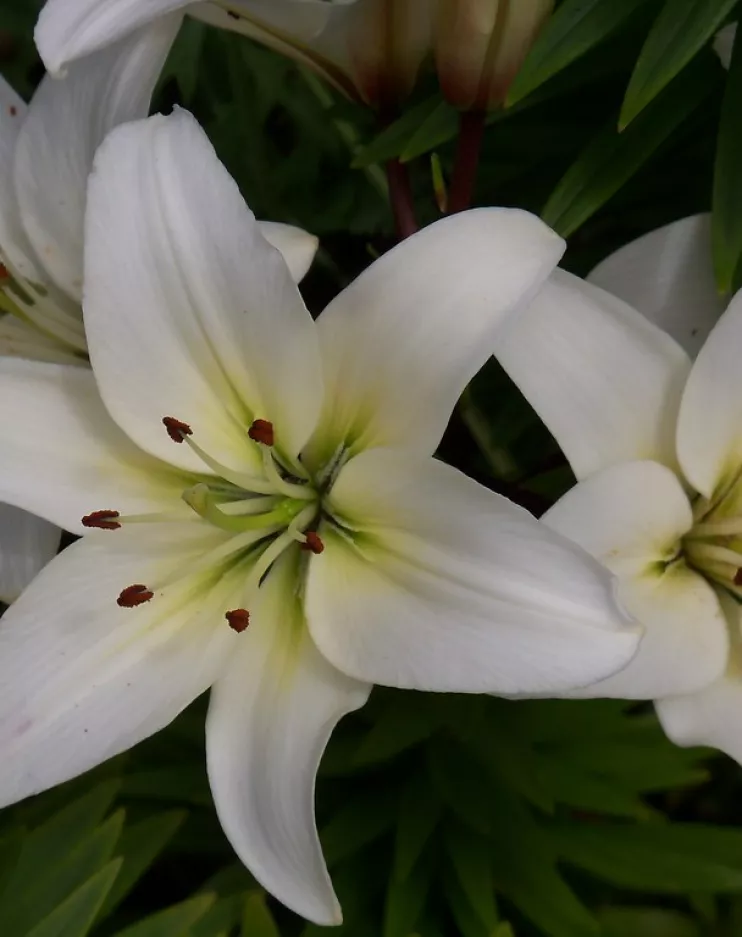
column 63, row 456
column 668, row 276
column 66, row 122
column 606, row 382
column 66, row 30
column 447, row 586
column 710, row 419
column 400, row 343
column 15, row 250
column 297, row 246
column 723, row 43
column 189, row 312
column 711, row 716
column 270, row 717
column 27, row 543
column 82, row 679
column 632, row 518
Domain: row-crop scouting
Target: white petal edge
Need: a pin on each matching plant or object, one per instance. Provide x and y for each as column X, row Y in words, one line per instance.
column 27, row 544
column 64, row 457
column 73, row 117
column 445, row 586
column 710, row 420
column 174, row 254
column 270, row 717
column 632, row 518
column 402, row 341
column 297, row 246
column 667, row 274
column 724, row 42
column 605, row 381
column 82, row 679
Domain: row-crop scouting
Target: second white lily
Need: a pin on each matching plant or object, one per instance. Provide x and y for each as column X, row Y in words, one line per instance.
column 270, row 520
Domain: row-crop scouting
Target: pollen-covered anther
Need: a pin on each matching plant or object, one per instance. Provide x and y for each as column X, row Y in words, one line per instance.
column 738, row 577
column 103, row 520
column 313, row 542
column 4, row 273
column 134, row 595
column 176, row 429
column 262, row 431
column 238, row 619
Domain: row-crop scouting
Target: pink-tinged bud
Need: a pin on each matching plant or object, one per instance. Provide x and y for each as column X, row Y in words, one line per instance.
column 480, row 45
column 387, row 42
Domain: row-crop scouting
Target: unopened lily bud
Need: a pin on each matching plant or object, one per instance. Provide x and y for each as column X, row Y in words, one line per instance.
column 480, row 45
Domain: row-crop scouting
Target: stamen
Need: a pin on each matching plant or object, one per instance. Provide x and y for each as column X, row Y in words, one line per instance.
column 313, row 542
column 239, row 619
column 280, row 484
column 134, row 595
column 240, row 479
column 103, row 520
column 262, row 431
column 176, row 429
column 4, row 272
column 738, row 577
column 727, row 527
column 707, row 551
column 200, row 499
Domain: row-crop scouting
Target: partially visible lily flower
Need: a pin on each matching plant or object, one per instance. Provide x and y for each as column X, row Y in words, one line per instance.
column 369, row 49
column 655, row 441
column 724, row 42
column 480, row 45
column 46, row 152
column 261, row 511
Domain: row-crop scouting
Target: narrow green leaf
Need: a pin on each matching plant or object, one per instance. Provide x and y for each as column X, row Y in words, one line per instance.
column 575, row 28
column 172, row 922
column 417, row 817
column 679, row 32
column 647, row 922
column 442, row 125
column 405, row 900
column 471, row 857
column 612, row 158
column 75, row 916
column 360, row 821
column 674, row 858
column 398, row 729
column 257, row 920
column 392, row 140
column 726, row 219
column 467, row 920
column 139, row 846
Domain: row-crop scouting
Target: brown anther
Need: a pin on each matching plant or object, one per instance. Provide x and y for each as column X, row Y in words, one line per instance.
column 4, row 272
column 232, row 15
column 262, row 431
column 103, row 520
column 134, row 595
column 176, row 429
column 239, row 619
column 313, row 542
column 738, row 577
column 13, row 110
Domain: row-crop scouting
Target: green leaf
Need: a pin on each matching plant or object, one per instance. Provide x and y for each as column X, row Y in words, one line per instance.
column 139, row 846
column 257, row 920
column 417, row 817
column 172, row 922
column 679, row 32
column 358, row 822
column 392, row 140
column 467, row 921
column 612, row 158
column 471, row 857
column 405, row 900
column 397, row 729
column 726, row 219
column 75, row 916
column 646, row 922
column 185, row 58
column 575, row 28
column 674, row 858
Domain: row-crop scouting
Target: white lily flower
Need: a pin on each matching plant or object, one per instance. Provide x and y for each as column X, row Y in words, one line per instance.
column 249, row 466
column 656, row 444
column 46, row 152
column 369, row 49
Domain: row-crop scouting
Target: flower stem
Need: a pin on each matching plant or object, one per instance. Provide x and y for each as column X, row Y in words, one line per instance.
column 466, row 164
column 400, row 196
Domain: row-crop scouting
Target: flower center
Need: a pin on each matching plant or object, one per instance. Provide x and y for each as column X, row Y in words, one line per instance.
column 714, row 544
column 262, row 515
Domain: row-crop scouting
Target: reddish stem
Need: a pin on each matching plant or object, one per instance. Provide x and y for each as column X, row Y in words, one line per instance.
column 466, row 164
column 400, row 195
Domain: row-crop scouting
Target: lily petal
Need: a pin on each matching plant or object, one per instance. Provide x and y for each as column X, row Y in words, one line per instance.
column 297, row 246
column 710, row 419
column 27, row 544
column 632, row 517
column 724, row 42
column 668, row 276
column 270, row 717
column 63, row 456
column 711, row 716
column 83, row 679
column 606, row 382
column 72, row 117
column 443, row 585
column 400, row 343
column 174, row 254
